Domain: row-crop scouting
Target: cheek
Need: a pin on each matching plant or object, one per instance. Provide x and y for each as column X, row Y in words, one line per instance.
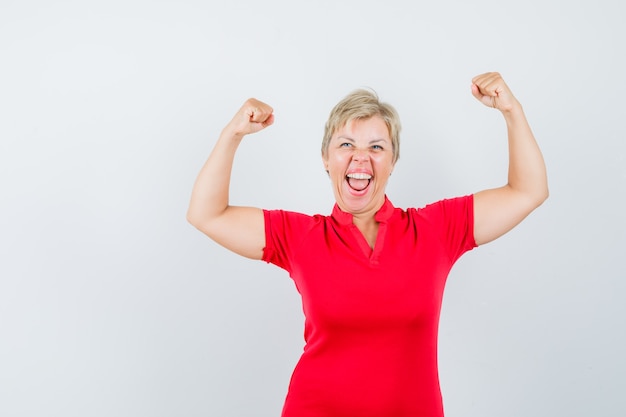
column 336, row 162
column 383, row 162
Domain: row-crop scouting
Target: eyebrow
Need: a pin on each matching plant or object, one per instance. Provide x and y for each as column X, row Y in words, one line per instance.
column 370, row 142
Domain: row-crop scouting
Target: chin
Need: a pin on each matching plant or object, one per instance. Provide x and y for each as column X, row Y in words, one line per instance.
column 352, row 202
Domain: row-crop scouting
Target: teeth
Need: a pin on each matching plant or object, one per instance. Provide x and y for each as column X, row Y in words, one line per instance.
column 359, row 176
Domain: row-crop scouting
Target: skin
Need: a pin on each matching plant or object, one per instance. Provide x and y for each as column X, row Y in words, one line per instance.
column 362, row 146
column 498, row 210
column 239, row 229
column 353, row 148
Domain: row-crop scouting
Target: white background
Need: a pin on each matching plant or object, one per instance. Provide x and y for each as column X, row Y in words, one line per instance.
column 112, row 305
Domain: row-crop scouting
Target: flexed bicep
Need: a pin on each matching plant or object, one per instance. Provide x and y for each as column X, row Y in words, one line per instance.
column 498, row 210
column 240, row 229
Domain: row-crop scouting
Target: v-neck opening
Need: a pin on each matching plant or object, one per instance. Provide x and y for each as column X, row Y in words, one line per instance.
column 381, row 216
column 372, row 254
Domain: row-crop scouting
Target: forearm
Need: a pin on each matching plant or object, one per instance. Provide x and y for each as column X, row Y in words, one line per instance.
column 527, row 170
column 210, row 194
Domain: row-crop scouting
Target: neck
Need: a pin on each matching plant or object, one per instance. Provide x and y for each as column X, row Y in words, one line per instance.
column 366, row 213
column 364, row 220
column 368, row 227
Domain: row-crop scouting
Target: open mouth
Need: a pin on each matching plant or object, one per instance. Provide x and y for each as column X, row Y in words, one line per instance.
column 358, row 181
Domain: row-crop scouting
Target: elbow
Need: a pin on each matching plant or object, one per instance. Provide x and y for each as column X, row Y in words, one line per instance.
column 545, row 195
column 533, row 197
column 545, row 192
column 193, row 219
column 202, row 222
column 541, row 196
column 190, row 219
column 538, row 191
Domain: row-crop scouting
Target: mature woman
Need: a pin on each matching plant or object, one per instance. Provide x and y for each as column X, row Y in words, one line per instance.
column 371, row 276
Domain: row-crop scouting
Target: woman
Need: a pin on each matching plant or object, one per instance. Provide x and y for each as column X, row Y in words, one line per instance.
column 371, row 276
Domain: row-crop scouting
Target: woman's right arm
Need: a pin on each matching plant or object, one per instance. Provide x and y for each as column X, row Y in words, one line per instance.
column 240, row 229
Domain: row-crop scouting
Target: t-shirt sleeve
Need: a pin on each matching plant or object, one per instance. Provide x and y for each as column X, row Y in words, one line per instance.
column 453, row 220
column 284, row 232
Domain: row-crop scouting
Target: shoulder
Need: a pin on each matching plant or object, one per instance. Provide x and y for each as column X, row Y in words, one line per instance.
column 291, row 220
column 443, row 211
column 285, row 232
column 446, row 205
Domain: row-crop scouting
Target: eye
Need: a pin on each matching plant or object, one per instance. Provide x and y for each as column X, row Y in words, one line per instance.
column 377, row 147
column 345, row 145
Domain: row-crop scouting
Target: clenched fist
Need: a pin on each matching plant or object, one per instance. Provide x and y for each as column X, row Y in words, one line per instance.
column 491, row 90
column 252, row 117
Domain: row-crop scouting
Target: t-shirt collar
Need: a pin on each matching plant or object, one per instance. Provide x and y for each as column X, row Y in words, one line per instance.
column 382, row 215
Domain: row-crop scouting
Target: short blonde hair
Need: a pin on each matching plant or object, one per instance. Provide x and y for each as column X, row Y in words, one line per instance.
column 363, row 104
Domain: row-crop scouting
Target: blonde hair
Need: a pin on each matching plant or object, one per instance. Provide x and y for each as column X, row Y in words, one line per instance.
column 363, row 104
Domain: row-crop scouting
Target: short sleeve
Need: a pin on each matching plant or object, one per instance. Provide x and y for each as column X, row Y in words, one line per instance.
column 453, row 220
column 284, row 232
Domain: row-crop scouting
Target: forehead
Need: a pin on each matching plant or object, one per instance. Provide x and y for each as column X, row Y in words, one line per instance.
column 367, row 129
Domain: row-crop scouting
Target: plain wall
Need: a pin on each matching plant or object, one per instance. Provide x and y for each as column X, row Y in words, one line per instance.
column 112, row 305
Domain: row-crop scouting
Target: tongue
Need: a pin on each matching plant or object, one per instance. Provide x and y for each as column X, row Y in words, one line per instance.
column 358, row 185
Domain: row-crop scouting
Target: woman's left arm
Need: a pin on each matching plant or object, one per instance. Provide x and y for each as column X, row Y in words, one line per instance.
column 498, row 210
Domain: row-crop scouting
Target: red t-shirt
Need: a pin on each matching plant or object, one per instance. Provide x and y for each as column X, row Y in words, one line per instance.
column 371, row 315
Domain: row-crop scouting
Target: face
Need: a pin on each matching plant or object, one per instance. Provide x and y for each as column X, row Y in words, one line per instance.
column 359, row 162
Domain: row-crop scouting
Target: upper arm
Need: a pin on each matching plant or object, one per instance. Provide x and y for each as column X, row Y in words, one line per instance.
column 498, row 210
column 239, row 229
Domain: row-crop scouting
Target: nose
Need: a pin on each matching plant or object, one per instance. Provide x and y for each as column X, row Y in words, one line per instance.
column 360, row 155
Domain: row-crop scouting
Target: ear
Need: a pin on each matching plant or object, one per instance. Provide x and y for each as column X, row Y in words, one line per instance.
column 325, row 162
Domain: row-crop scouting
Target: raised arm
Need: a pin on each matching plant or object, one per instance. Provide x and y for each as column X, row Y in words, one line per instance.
column 498, row 210
column 240, row 229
